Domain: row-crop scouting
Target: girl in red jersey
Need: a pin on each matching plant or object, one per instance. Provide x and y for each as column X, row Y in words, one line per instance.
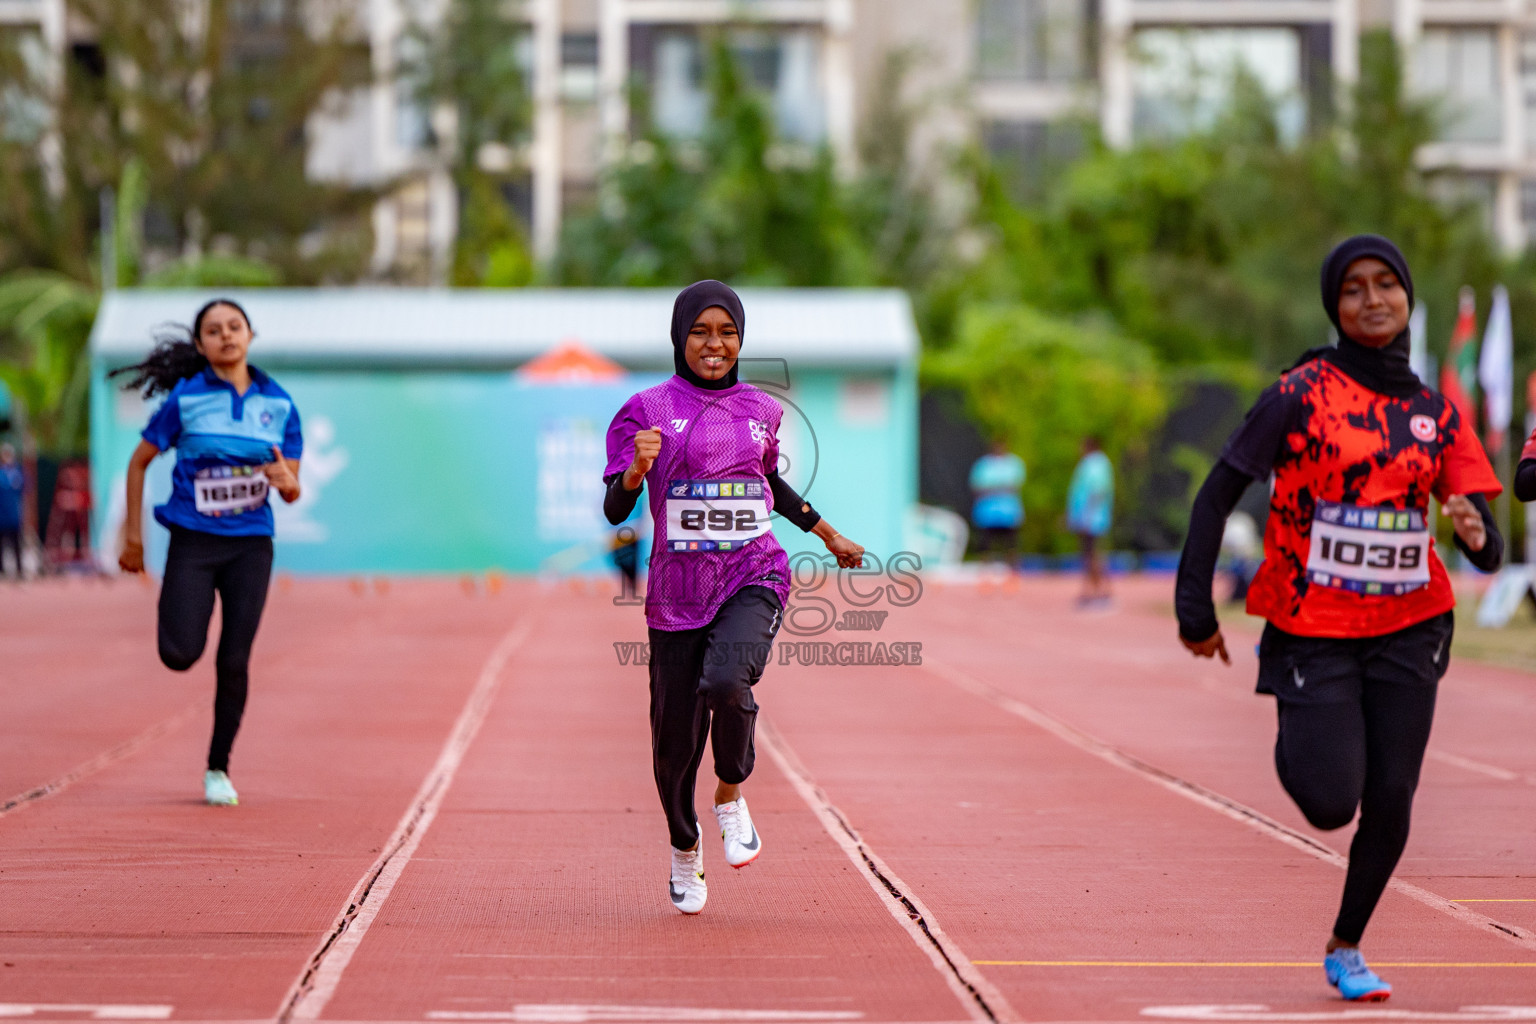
column 1357, row 602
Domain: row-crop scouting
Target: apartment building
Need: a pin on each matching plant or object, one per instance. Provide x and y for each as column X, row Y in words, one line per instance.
column 1025, row 77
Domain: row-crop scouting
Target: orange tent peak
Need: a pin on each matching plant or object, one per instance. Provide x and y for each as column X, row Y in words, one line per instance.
column 570, row 362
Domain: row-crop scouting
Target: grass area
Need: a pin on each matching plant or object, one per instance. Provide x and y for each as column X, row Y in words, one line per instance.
column 1514, row 646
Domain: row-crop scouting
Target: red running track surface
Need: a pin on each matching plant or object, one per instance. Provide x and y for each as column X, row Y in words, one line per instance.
column 447, row 815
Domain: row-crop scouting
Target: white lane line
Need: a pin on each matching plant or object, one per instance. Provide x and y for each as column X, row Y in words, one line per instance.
column 981, row 999
column 105, row 759
column 318, row 980
column 571, row 1013
column 1478, row 767
column 1239, row 812
column 92, row 1011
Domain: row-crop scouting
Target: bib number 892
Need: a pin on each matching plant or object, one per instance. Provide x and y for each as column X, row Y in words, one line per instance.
column 1373, row 556
column 741, row 520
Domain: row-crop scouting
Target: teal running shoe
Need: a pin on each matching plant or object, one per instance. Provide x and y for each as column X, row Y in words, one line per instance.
column 218, row 790
column 1356, row 982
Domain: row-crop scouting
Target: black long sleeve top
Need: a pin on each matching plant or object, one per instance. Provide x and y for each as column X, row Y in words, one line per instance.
column 1525, row 480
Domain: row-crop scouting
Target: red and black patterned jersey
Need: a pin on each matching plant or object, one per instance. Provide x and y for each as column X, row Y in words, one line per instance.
column 1347, row 549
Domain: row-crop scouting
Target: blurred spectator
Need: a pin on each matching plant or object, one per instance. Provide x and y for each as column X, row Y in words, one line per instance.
column 1244, row 548
column 13, row 485
column 998, row 511
column 1090, row 506
column 626, row 558
column 71, row 516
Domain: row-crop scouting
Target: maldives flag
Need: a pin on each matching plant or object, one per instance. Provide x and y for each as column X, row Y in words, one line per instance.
column 1458, row 374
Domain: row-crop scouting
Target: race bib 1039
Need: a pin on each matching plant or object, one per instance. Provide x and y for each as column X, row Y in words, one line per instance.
column 1368, row 550
column 229, row 490
column 715, row 515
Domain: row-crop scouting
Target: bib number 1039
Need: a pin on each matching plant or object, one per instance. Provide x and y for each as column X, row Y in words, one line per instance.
column 1370, row 556
column 1368, row 550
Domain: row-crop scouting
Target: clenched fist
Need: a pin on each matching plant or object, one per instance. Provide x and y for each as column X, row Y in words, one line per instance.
column 647, row 449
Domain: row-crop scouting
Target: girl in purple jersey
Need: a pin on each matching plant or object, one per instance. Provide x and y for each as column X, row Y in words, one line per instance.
column 708, row 446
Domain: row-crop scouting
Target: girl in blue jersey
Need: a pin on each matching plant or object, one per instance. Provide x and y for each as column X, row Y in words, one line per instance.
column 237, row 437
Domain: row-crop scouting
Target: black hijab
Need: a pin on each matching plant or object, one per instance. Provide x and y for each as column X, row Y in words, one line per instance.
column 1385, row 369
column 692, row 301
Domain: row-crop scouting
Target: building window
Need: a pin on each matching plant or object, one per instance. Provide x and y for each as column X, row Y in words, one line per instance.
column 1459, row 69
column 1183, row 78
column 783, row 65
column 24, row 109
column 1477, row 193
column 1528, row 87
column 1528, row 207
column 1033, row 40
column 1031, row 154
column 578, row 66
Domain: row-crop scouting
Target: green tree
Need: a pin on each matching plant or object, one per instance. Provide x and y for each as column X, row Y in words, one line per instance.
column 45, row 318
column 744, row 204
column 474, row 62
column 211, row 110
column 1045, row 383
column 1207, row 246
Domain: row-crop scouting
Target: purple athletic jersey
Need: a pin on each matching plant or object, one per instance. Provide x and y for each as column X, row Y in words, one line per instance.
column 717, row 449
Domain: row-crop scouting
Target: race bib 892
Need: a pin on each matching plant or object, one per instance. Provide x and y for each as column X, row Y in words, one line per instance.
column 1368, row 550
column 715, row 515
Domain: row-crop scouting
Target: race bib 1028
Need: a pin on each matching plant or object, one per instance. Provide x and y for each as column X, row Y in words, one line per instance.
column 1368, row 550
column 715, row 515
column 229, row 490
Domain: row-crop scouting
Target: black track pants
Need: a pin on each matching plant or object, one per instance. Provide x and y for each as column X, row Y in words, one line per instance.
column 11, row 540
column 238, row 568
column 1355, row 717
column 701, row 692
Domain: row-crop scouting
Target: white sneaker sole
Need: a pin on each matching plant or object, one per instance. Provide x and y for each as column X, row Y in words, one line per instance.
column 755, row 854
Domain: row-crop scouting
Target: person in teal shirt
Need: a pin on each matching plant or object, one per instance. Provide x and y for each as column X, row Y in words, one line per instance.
column 1090, row 508
column 997, row 480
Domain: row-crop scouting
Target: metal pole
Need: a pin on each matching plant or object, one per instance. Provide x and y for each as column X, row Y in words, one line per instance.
column 1507, row 478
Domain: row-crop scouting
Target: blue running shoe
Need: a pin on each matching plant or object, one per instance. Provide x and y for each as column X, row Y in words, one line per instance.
column 1356, row 982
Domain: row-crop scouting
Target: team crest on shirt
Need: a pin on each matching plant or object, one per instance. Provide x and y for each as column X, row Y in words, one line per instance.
column 1423, row 428
column 759, row 431
column 266, row 417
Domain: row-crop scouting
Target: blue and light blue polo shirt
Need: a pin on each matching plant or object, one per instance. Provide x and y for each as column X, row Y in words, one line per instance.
column 222, row 439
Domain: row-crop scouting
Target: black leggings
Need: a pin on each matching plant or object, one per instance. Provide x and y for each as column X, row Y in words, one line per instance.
column 701, row 692
column 239, row 568
column 10, row 540
column 1355, row 717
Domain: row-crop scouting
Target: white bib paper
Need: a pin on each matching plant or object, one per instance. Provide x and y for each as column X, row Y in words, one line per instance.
column 1368, row 550
column 715, row 515
column 229, row 490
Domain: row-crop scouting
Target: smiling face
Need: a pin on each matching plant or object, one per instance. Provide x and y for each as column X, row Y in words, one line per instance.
column 1373, row 304
column 224, row 337
column 713, row 344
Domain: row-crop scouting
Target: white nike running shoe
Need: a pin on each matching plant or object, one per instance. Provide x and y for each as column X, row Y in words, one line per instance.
column 687, row 883
column 218, row 790
column 742, row 844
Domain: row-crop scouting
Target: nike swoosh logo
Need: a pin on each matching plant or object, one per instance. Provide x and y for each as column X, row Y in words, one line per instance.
column 753, row 844
column 1438, row 648
column 1300, row 679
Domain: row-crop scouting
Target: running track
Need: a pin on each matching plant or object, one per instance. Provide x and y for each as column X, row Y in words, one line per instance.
column 447, row 815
